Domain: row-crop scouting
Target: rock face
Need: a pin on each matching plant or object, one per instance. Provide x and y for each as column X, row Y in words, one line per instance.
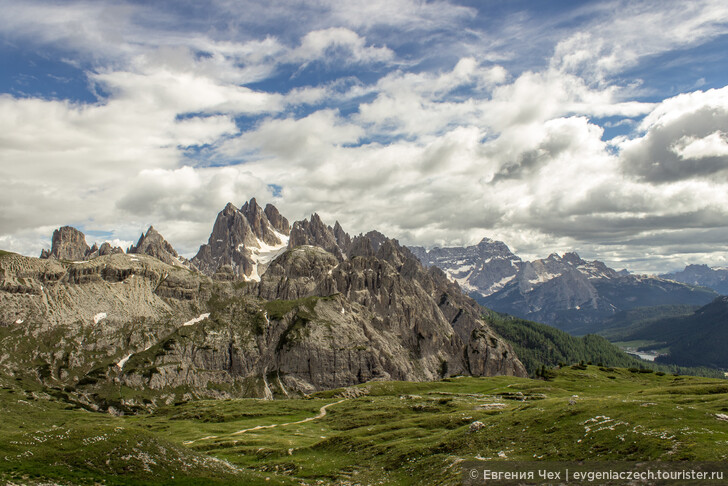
column 67, row 324
column 420, row 326
column 68, row 244
column 107, row 249
column 153, row 244
column 702, row 275
column 316, row 233
column 334, row 311
column 244, row 239
column 565, row 291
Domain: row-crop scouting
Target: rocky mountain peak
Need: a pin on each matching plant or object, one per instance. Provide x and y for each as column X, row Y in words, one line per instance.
column 277, row 220
column 251, row 206
column 376, row 238
column 245, row 239
column 572, row 258
column 261, row 227
column 315, row 233
column 152, row 243
column 430, row 317
column 702, row 275
column 342, row 238
column 68, row 243
column 229, row 210
column 107, row 249
column 361, row 246
column 483, row 268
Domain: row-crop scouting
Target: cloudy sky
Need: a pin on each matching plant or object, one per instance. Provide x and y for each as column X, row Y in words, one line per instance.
column 600, row 127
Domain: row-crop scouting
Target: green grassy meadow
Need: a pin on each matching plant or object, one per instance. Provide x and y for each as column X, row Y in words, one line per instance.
column 385, row 433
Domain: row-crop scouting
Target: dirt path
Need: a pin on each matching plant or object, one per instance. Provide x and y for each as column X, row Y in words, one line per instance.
column 322, row 413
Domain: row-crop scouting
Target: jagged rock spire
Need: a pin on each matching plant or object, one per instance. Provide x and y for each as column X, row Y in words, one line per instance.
column 244, row 240
column 153, row 244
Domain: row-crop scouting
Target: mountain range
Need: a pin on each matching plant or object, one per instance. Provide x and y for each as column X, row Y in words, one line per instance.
column 713, row 278
column 264, row 309
column 564, row 291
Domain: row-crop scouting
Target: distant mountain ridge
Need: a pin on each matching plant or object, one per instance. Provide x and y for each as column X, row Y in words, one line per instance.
column 566, row 291
column 714, row 278
column 483, row 268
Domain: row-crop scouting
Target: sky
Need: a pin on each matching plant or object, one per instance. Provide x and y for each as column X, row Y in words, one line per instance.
column 597, row 127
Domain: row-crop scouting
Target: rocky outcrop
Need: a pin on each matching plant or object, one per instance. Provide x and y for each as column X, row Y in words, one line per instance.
column 153, row 244
column 423, row 313
column 107, row 249
column 278, row 222
column 315, row 233
column 68, row 244
column 245, row 239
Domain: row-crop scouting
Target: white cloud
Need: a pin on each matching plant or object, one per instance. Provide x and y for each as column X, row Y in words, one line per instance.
column 434, row 144
column 713, row 145
column 624, row 32
column 338, row 44
column 404, row 14
column 681, row 139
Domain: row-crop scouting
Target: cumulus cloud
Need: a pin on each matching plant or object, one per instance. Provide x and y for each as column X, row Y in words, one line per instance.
column 713, row 145
column 439, row 144
column 683, row 138
column 338, row 44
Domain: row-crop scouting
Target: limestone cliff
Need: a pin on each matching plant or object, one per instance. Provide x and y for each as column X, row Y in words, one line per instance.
column 332, row 311
column 245, row 240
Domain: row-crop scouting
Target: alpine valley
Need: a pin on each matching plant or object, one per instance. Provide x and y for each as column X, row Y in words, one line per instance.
column 299, row 354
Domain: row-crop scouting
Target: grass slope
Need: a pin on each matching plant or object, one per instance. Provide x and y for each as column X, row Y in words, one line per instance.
column 46, row 440
column 393, row 433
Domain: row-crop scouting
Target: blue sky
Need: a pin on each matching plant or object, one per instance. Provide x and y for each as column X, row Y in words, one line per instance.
column 600, row 127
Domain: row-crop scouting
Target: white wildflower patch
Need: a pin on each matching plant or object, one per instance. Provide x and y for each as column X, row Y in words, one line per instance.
column 601, row 422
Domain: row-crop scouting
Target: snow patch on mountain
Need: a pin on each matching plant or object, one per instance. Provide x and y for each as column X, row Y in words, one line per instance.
column 264, row 254
column 120, row 364
column 197, row 319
